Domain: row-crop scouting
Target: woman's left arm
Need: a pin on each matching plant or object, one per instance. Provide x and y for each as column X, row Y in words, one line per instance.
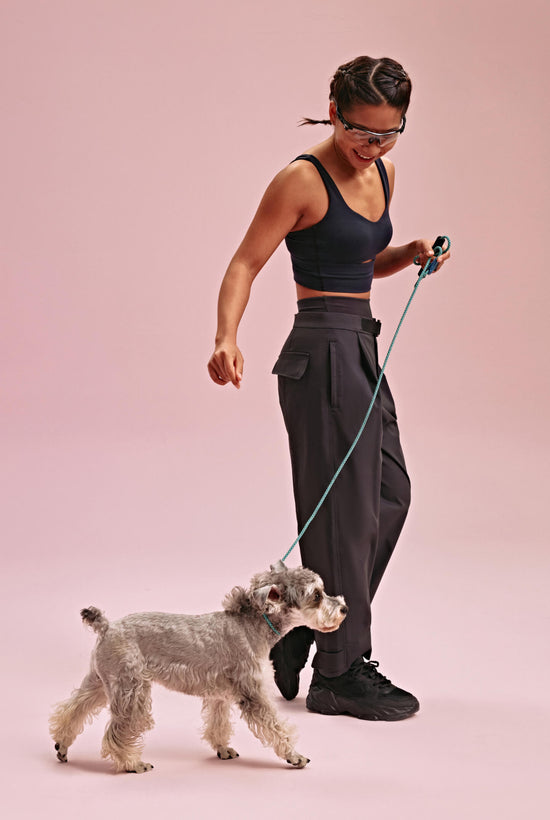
column 395, row 258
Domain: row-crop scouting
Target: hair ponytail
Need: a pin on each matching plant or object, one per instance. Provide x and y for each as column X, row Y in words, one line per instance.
column 309, row 121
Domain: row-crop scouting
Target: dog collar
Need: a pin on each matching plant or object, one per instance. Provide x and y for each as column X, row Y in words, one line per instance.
column 271, row 625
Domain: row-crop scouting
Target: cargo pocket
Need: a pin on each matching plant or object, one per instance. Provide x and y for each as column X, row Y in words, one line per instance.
column 291, row 364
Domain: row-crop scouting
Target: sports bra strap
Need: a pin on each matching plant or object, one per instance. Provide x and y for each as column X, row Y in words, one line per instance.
column 325, row 176
column 330, row 183
column 384, row 177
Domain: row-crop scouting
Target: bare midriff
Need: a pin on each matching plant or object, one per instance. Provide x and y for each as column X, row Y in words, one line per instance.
column 308, row 293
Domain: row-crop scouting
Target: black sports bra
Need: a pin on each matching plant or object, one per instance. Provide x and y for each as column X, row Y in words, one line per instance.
column 331, row 255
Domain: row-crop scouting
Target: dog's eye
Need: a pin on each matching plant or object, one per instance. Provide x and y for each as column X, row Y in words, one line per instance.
column 317, row 596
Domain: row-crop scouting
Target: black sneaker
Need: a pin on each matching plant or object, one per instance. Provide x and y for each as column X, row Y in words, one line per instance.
column 362, row 692
column 289, row 656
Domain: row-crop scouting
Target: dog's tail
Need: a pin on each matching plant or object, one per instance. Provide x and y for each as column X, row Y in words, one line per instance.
column 95, row 618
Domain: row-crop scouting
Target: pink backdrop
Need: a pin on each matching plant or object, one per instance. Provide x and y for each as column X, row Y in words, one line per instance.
column 137, row 139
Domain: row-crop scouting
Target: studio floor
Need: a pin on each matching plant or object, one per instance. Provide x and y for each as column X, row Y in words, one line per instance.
column 92, row 524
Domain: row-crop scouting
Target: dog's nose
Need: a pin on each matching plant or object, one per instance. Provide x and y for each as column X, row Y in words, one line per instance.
column 344, row 610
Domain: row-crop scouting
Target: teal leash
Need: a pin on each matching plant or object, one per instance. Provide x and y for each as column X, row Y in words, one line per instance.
column 439, row 247
column 269, row 622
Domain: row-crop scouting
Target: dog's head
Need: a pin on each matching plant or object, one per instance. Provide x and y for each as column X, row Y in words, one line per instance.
column 291, row 597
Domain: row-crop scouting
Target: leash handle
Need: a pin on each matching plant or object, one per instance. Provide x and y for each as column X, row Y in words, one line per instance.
column 441, row 245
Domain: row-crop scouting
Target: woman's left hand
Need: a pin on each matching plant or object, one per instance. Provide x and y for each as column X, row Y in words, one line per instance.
column 424, row 252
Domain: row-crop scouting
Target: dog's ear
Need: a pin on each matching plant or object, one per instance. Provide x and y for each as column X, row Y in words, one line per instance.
column 236, row 601
column 278, row 567
column 267, row 593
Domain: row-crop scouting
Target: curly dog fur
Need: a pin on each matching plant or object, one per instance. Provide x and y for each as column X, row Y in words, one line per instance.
column 223, row 657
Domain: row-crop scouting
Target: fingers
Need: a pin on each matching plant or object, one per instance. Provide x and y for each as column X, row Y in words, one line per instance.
column 443, row 258
column 216, row 377
column 425, row 253
column 239, row 367
column 219, row 372
column 226, row 365
column 423, row 257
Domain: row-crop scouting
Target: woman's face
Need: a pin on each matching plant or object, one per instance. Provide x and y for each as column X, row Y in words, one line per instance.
column 358, row 148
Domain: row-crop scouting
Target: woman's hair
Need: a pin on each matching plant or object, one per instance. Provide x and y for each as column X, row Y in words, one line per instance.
column 368, row 81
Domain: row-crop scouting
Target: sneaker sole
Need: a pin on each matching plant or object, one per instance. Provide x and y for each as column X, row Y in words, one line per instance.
column 332, row 706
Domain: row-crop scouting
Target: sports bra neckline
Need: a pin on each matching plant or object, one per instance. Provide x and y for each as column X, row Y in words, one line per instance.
column 326, row 177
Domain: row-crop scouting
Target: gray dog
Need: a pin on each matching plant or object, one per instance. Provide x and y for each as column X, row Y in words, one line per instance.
column 222, row 657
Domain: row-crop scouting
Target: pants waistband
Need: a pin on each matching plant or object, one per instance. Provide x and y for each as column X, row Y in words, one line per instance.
column 336, row 304
column 340, row 321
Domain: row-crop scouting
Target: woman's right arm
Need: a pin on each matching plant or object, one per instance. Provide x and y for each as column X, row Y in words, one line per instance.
column 280, row 209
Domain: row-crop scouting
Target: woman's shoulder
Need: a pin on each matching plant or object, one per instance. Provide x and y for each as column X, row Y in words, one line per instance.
column 296, row 179
column 389, row 166
column 301, row 167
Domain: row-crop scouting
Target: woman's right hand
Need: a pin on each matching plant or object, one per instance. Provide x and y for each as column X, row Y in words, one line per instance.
column 226, row 365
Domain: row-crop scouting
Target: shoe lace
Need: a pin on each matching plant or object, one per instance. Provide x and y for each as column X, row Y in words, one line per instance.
column 370, row 669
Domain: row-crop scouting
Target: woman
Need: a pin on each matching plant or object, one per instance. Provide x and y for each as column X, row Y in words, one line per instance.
column 330, row 205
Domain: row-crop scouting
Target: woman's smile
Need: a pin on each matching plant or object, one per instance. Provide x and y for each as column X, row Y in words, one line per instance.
column 362, row 157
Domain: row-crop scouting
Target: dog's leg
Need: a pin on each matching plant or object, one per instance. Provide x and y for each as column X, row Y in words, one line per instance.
column 265, row 724
column 69, row 717
column 217, row 727
column 130, row 702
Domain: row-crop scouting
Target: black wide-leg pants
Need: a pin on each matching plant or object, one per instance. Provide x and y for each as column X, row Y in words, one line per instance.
column 327, row 372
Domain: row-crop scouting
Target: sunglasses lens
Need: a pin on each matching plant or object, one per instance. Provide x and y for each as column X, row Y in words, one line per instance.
column 368, row 139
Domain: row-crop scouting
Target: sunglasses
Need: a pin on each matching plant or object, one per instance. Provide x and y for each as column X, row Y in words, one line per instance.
column 363, row 135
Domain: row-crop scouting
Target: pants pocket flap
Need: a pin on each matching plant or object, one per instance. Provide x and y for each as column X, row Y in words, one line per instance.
column 291, row 364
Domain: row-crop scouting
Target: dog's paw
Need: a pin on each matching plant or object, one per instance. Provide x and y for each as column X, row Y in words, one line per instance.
column 140, row 767
column 61, row 752
column 227, row 753
column 298, row 761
